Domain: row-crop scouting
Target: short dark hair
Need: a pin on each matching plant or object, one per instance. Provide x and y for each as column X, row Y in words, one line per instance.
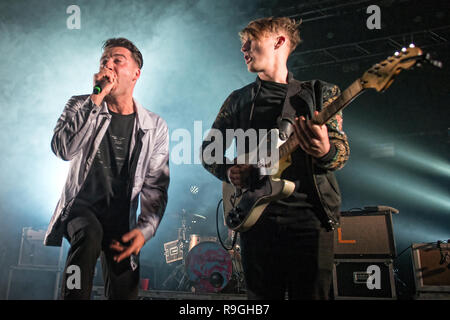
column 125, row 43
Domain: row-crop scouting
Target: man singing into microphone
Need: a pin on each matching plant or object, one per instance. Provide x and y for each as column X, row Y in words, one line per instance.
column 118, row 154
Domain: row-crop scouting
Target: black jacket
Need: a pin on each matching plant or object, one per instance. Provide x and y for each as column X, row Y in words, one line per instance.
column 304, row 97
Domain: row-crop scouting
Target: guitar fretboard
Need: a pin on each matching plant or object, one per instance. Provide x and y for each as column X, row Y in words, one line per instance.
column 340, row 103
column 354, row 90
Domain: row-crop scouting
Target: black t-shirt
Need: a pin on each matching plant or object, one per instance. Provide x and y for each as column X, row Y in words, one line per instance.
column 268, row 107
column 105, row 190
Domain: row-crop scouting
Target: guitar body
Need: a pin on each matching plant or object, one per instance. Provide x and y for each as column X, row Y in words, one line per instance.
column 243, row 207
column 244, row 210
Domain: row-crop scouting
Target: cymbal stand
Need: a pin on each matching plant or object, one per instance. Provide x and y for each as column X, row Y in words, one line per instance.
column 180, row 270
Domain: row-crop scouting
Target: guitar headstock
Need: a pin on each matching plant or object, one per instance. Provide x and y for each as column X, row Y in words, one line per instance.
column 381, row 75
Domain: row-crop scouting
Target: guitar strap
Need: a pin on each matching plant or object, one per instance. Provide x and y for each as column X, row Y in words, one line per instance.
column 310, row 92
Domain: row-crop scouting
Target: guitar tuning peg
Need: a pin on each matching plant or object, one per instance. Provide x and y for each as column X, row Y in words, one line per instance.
column 403, row 49
column 412, row 45
column 396, row 53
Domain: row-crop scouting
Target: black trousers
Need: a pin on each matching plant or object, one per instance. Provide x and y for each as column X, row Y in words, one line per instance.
column 88, row 240
column 287, row 251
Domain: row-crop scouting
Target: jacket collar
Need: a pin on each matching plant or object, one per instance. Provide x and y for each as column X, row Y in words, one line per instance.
column 293, row 88
column 144, row 120
column 143, row 116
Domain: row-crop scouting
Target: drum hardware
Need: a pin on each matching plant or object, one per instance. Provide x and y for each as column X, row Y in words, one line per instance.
column 195, row 239
column 198, row 216
column 205, row 265
column 237, row 277
column 178, row 275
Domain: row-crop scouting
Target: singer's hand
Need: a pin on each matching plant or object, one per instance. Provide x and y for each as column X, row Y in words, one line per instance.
column 137, row 242
column 111, row 78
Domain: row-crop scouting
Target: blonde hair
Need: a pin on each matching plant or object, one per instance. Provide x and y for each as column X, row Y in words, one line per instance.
column 259, row 27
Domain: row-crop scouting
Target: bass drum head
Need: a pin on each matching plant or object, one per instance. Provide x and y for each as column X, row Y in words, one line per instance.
column 208, row 267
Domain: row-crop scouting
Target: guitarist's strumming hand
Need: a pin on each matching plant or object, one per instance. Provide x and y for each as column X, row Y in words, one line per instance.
column 313, row 138
column 239, row 175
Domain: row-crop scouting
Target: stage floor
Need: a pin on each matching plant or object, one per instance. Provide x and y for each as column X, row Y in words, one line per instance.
column 175, row 295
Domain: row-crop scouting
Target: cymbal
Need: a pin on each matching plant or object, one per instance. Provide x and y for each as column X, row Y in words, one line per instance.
column 199, row 216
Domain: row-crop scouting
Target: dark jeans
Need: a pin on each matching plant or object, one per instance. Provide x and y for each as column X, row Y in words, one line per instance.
column 88, row 240
column 287, row 251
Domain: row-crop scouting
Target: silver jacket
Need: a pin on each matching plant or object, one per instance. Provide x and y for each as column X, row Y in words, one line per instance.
column 77, row 136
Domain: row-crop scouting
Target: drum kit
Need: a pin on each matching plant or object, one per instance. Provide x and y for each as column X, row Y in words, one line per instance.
column 206, row 267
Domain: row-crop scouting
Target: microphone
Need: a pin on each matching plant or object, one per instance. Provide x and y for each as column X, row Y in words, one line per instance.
column 99, row 85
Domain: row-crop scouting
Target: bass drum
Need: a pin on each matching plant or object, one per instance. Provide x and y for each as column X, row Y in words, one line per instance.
column 208, row 267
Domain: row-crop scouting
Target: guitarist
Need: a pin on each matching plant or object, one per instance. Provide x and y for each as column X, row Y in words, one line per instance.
column 290, row 248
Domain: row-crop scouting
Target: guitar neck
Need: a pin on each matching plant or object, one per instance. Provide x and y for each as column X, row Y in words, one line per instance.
column 349, row 94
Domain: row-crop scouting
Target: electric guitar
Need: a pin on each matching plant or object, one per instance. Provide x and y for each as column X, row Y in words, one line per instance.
column 243, row 207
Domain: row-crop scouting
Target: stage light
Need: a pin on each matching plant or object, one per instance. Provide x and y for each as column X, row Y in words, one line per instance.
column 194, row 189
column 415, row 231
column 404, row 186
column 423, row 160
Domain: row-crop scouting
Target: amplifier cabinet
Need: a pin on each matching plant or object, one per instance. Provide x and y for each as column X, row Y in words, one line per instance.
column 33, row 253
column 363, row 279
column 33, row 283
column 365, row 235
column 431, row 264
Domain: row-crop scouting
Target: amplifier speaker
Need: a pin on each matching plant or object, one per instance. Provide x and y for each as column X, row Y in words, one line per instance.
column 368, row 279
column 365, row 235
column 431, row 264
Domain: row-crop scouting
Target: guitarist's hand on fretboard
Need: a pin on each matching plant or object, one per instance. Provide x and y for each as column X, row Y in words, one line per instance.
column 312, row 138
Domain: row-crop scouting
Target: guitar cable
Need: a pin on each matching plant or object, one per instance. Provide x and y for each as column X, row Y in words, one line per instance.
column 217, row 229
